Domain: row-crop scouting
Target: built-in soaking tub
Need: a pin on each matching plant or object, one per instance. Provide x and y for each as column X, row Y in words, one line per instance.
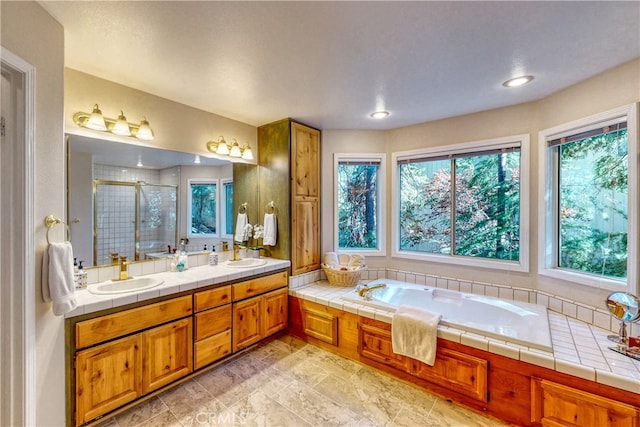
column 512, row 321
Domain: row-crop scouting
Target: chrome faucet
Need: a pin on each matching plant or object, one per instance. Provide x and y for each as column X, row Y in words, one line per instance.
column 365, row 291
column 124, row 273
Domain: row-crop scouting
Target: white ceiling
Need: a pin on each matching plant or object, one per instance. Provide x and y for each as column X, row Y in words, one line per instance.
column 330, row 64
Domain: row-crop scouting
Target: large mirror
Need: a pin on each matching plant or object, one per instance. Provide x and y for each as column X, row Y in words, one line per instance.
column 142, row 202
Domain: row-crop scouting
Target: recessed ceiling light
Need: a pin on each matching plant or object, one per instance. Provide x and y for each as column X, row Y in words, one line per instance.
column 379, row 114
column 517, row 81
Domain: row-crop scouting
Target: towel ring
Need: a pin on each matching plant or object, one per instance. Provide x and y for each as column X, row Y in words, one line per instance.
column 243, row 208
column 51, row 221
column 270, row 208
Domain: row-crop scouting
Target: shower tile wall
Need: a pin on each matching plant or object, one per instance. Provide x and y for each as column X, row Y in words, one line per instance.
column 116, row 213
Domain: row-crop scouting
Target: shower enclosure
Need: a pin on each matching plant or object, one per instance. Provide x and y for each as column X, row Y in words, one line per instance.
column 132, row 219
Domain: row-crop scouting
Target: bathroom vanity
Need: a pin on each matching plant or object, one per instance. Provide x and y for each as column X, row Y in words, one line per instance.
column 121, row 355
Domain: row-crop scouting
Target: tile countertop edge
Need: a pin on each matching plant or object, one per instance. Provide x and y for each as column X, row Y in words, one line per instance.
column 524, row 354
column 173, row 283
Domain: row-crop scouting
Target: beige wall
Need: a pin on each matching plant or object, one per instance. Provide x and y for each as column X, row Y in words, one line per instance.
column 176, row 126
column 29, row 32
column 617, row 87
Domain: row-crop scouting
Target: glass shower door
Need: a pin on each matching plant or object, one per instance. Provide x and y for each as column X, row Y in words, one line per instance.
column 158, row 215
column 114, row 225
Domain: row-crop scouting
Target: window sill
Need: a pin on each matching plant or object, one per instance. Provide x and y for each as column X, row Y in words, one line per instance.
column 584, row 279
column 485, row 263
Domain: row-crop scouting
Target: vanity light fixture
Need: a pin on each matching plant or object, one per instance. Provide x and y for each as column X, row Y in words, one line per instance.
column 235, row 150
column 379, row 114
column 222, row 148
column 517, row 81
column 196, row 160
column 247, row 153
column 139, row 164
column 96, row 121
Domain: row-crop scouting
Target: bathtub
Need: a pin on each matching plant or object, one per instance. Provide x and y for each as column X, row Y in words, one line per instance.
column 512, row 321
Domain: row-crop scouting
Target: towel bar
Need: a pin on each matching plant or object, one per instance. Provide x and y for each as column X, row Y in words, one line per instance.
column 51, row 221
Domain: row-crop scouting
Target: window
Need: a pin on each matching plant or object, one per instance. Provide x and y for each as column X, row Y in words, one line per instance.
column 589, row 187
column 202, row 205
column 227, row 207
column 359, row 226
column 464, row 204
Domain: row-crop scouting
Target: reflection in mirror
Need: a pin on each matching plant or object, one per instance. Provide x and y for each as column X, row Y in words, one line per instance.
column 624, row 306
column 129, row 199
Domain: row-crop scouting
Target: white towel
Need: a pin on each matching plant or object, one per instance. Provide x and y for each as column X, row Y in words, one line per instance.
column 331, row 258
column 414, row 333
column 241, row 224
column 57, row 278
column 270, row 229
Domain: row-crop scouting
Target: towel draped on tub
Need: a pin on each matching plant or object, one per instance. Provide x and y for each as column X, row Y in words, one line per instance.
column 414, row 333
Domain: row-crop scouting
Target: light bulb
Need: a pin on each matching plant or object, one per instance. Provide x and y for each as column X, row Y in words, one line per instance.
column 96, row 121
column 121, row 127
column 144, row 131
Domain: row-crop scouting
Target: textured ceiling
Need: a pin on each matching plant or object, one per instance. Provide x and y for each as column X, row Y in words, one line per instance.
column 330, row 64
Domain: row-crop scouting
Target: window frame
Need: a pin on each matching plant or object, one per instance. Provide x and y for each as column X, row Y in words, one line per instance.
column 381, row 158
column 224, row 221
column 548, row 203
column 522, row 140
column 198, row 181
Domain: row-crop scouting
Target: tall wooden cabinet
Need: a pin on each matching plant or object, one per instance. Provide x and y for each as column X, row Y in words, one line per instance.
column 288, row 174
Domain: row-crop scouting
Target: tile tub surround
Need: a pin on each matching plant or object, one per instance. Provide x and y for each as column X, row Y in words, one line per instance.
column 173, row 282
column 579, row 348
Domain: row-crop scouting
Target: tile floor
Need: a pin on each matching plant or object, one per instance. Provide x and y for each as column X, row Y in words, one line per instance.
column 287, row 382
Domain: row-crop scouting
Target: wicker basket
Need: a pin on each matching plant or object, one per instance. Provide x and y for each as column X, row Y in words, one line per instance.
column 342, row 277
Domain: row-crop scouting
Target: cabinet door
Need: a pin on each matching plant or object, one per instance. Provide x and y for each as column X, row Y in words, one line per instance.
column 246, row 323
column 107, row 376
column 275, row 315
column 305, row 227
column 558, row 405
column 168, row 354
column 305, row 167
column 375, row 344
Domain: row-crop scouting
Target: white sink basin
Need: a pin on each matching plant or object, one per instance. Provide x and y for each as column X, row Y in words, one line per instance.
column 121, row 286
column 246, row 263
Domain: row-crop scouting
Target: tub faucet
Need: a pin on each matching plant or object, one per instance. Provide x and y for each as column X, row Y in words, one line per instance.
column 365, row 291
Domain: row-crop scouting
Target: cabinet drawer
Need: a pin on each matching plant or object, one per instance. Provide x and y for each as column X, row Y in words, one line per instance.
column 212, row 322
column 104, row 328
column 213, row 348
column 457, row 371
column 211, row 298
column 258, row 286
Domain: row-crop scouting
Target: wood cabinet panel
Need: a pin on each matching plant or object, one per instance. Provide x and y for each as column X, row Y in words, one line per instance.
column 94, row 331
column 107, row 376
column 246, row 323
column 211, row 298
column 305, row 225
column 305, row 159
column 167, row 354
column 457, row 371
column 259, row 286
column 559, row 405
column 275, row 313
column 212, row 348
column 320, row 325
column 375, row 343
column 212, row 322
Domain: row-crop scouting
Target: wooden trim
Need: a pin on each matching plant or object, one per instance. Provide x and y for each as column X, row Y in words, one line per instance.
column 320, row 325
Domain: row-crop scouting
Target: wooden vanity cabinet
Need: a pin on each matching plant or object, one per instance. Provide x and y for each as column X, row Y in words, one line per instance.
column 119, row 357
column 212, row 335
column 257, row 317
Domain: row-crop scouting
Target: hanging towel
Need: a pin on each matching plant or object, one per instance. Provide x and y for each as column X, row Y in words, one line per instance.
column 57, row 278
column 414, row 333
column 270, row 229
column 241, row 224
